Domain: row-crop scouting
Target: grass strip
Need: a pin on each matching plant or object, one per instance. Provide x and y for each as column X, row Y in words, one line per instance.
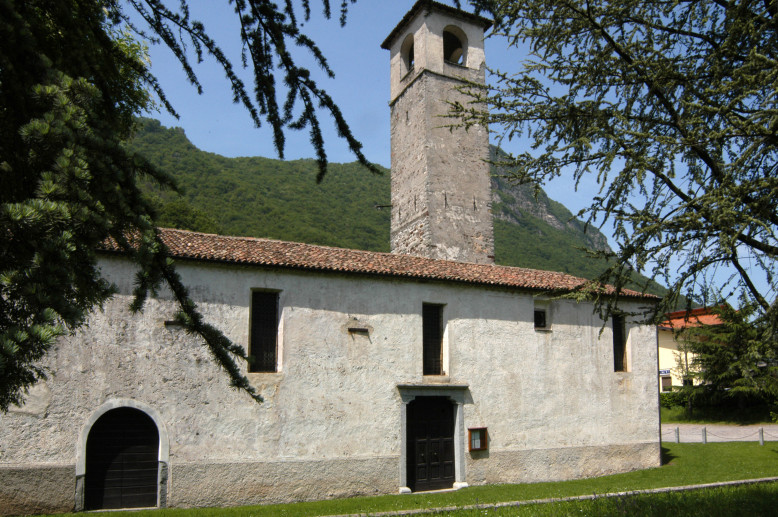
column 682, row 464
column 731, row 501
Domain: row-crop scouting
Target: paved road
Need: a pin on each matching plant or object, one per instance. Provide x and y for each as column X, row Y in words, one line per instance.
column 719, row 433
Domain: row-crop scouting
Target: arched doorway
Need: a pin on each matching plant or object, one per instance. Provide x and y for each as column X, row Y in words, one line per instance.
column 122, row 455
column 430, row 427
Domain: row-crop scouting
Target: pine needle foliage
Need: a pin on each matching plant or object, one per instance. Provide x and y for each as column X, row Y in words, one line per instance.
column 268, row 34
column 72, row 79
column 736, row 362
column 672, row 108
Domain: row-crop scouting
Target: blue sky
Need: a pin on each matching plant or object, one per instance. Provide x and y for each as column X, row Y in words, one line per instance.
column 360, row 88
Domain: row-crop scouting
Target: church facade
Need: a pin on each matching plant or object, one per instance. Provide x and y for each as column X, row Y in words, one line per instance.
column 426, row 368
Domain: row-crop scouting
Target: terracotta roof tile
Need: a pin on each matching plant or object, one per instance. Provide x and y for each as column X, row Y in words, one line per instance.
column 693, row 318
column 295, row 255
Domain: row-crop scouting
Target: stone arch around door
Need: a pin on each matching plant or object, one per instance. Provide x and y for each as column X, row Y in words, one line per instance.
column 141, row 411
column 452, row 394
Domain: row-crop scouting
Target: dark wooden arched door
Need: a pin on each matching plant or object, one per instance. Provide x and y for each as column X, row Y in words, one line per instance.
column 430, row 426
column 122, row 453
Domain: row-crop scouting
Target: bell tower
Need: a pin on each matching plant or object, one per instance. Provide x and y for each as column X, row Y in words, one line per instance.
column 441, row 193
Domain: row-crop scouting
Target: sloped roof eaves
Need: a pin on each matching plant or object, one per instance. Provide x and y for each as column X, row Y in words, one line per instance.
column 305, row 256
column 293, row 255
column 429, row 4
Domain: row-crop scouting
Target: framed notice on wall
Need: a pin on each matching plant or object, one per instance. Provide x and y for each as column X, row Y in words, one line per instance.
column 478, row 439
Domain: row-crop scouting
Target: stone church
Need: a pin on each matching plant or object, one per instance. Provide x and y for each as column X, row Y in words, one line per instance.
column 425, row 368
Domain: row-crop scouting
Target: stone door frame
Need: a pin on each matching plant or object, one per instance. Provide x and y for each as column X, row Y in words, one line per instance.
column 456, row 394
column 163, row 447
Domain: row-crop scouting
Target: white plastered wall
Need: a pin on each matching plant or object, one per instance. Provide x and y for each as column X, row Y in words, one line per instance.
column 330, row 424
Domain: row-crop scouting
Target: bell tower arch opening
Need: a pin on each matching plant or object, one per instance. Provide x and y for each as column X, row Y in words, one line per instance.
column 407, row 53
column 454, row 45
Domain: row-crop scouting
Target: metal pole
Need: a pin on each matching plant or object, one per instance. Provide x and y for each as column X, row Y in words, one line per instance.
column 677, row 436
column 704, row 435
column 761, row 436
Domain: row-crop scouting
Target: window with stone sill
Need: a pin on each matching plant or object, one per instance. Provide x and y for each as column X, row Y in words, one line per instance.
column 619, row 343
column 432, row 339
column 542, row 315
column 263, row 335
column 540, row 319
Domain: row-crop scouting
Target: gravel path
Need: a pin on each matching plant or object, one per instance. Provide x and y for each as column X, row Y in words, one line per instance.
column 689, row 433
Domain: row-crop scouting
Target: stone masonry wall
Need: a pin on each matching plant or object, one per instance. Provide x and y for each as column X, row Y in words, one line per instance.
column 441, row 195
column 441, row 191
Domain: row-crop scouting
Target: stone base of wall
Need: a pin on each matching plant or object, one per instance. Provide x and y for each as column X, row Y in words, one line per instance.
column 43, row 489
column 231, row 484
column 51, row 489
column 538, row 465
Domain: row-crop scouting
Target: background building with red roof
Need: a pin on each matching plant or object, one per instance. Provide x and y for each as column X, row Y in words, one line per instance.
column 672, row 361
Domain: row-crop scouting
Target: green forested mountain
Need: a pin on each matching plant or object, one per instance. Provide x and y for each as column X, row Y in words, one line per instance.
column 263, row 197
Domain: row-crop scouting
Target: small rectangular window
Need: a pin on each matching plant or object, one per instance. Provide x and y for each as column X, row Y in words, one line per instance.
column 432, row 339
column 542, row 314
column 540, row 319
column 667, row 383
column 263, row 340
column 619, row 344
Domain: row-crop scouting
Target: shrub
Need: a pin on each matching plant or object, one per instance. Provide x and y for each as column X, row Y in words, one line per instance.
column 675, row 398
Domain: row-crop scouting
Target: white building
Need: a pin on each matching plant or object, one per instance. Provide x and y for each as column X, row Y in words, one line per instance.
column 380, row 372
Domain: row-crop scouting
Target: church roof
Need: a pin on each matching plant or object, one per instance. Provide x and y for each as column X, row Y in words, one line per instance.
column 295, row 255
column 429, row 5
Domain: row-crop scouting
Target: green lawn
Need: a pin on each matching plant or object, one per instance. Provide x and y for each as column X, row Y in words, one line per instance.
column 683, row 464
